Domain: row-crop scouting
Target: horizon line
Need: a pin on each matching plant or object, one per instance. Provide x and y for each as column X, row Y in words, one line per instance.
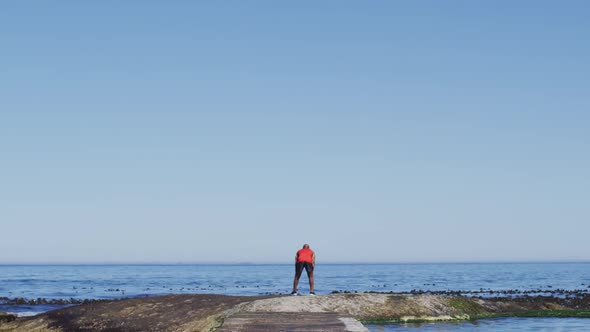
column 289, row 263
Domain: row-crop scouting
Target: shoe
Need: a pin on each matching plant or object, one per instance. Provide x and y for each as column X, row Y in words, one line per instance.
column 311, row 293
column 294, row 293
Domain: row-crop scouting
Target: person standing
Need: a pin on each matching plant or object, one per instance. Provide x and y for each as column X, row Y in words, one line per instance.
column 304, row 259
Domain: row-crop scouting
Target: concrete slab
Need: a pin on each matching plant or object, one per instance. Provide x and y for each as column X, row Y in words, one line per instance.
column 291, row 322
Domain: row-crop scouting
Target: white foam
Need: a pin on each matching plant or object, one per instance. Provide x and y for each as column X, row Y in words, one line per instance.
column 25, row 313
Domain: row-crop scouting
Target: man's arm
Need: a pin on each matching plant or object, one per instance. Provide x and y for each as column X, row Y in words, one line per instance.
column 313, row 259
column 296, row 257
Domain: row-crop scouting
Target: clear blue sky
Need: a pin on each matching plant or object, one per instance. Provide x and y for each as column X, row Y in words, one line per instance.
column 380, row 131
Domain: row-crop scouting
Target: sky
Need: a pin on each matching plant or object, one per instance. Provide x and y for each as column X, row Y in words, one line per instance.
column 235, row 132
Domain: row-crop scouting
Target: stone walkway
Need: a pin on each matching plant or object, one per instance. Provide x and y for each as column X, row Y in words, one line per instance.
column 291, row 322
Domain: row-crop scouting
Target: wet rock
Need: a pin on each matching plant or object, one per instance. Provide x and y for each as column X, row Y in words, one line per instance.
column 6, row 318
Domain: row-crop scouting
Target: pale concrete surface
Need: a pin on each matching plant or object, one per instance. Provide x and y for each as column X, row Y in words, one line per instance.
column 290, row 322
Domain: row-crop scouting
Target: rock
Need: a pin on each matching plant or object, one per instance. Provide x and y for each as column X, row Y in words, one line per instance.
column 6, row 318
column 206, row 312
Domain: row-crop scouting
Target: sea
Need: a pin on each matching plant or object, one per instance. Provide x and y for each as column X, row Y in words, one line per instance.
column 79, row 282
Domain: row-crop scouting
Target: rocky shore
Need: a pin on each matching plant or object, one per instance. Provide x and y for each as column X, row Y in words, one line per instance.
column 208, row 312
column 6, row 318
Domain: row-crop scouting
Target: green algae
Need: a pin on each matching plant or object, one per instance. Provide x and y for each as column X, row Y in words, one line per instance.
column 466, row 306
column 547, row 313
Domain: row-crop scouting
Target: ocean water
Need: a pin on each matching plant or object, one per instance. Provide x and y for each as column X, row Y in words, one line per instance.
column 117, row 281
column 494, row 325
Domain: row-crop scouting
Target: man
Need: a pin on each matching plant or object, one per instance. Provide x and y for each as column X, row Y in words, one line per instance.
column 305, row 258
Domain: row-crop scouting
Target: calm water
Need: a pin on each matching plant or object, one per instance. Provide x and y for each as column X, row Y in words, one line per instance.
column 115, row 281
column 495, row 325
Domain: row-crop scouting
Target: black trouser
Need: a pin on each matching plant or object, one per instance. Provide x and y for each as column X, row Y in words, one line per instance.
column 300, row 266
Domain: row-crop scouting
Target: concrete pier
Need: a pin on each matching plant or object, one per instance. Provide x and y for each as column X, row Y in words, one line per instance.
column 291, row 322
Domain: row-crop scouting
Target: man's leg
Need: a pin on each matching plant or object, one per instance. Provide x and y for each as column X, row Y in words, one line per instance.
column 309, row 270
column 295, row 282
column 298, row 270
